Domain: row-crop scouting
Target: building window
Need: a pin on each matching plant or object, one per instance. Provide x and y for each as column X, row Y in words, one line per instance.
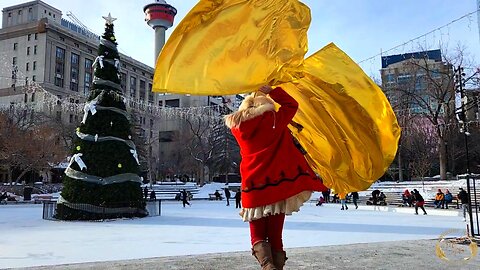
column 142, row 90
column 59, row 66
column 34, row 65
column 19, row 17
column 123, row 81
column 150, row 93
column 30, row 14
column 62, row 38
column 35, row 49
column 14, row 61
column 33, row 97
column 174, row 103
column 76, row 45
column 35, row 36
column 15, row 46
column 29, row 36
column 71, row 118
column 34, row 78
column 27, row 66
column 133, row 87
column 28, row 50
column 87, row 80
column 75, row 64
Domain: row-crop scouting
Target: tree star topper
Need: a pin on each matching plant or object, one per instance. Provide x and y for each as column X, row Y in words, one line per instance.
column 109, row 19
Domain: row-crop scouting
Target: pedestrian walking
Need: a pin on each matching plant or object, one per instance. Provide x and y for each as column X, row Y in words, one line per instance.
column 238, row 199
column 343, row 200
column 276, row 178
column 184, row 198
column 419, row 202
column 355, row 199
column 464, row 199
column 227, row 195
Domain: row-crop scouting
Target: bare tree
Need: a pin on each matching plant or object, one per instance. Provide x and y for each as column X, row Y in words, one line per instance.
column 199, row 146
column 28, row 147
column 426, row 89
column 420, row 145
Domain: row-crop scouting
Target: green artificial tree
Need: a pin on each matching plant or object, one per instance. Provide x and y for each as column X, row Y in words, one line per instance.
column 102, row 178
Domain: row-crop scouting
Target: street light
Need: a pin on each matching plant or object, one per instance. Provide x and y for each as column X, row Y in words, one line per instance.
column 461, row 101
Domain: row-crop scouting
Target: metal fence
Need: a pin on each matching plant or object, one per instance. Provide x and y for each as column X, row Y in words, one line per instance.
column 153, row 207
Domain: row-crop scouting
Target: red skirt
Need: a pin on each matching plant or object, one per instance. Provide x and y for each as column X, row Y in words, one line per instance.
column 420, row 204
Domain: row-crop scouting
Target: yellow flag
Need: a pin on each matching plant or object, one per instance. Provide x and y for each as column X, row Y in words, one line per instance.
column 234, row 46
column 350, row 130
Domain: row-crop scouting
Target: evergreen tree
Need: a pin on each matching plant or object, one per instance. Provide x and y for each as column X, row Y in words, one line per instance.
column 102, row 179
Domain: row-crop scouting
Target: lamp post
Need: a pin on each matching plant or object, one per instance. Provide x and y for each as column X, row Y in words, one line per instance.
column 460, row 110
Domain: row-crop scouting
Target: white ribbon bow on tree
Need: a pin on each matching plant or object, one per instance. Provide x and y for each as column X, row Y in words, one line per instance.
column 135, row 155
column 89, row 107
column 99, row 60
column 78, row 159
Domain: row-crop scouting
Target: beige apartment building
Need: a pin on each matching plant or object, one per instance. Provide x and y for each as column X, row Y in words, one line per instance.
column 41, row 49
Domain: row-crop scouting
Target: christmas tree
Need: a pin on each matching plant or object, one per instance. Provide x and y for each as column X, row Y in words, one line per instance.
column 102, row 178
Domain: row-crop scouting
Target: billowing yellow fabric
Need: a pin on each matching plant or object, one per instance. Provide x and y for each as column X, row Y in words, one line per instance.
column 350, row 130
column 234, row 46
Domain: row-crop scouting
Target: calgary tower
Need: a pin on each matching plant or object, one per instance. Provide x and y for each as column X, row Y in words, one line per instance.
column 159, row 16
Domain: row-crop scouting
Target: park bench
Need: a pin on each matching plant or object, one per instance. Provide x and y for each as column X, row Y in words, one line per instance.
column 213, row 197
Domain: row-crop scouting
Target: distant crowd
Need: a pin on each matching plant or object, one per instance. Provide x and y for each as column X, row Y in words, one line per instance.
column 409, row 198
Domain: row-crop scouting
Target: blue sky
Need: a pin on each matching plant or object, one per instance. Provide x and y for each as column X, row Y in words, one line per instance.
column 362, row 28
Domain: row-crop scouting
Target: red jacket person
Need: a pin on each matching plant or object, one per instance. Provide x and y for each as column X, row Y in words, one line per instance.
column 276, row 178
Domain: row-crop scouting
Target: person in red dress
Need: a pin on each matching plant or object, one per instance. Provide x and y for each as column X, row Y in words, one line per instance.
column 276, row 178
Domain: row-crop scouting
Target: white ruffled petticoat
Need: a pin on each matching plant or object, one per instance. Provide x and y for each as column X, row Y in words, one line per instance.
column 287, row 206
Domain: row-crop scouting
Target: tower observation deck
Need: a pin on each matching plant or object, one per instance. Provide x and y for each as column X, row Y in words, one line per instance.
column 159, row 16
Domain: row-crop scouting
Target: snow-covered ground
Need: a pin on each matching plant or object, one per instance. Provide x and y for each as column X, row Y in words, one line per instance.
column 205, row 227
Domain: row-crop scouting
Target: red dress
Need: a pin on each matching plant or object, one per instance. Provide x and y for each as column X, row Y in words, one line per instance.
column 272, row 167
